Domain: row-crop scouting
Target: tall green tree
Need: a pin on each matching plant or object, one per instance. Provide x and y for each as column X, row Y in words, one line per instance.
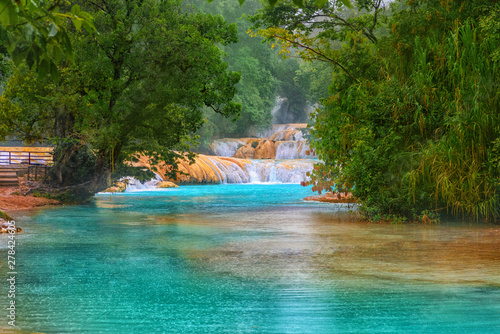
column 411, row 122
column 137, row 86
column 37, row 31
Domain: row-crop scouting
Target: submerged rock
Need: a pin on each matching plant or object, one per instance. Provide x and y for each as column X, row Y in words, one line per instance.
column 166, row 184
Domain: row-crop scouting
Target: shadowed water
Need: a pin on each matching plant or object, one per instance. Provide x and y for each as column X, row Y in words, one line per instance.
column 247, row 259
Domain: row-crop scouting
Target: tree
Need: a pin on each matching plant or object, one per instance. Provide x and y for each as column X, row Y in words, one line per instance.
column 315, row 30
column 36, row 31
column 138, row 86
column 418, row 129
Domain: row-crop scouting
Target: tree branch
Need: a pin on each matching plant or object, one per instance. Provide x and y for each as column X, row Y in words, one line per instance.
column 318, row 53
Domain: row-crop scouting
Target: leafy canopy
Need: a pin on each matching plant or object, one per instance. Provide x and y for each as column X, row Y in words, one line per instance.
column 37, row 31
column 137, row 86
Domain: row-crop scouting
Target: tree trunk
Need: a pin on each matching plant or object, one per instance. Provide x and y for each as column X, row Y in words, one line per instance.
column 102, row 176
column 60, row 165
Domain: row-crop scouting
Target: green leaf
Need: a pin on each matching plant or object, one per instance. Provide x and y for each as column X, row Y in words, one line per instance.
column 77, row 22
column 54, row 72
column 44, row 68
column 32, row 5
column 19, row 53
column 8, row 13
column 321, row 3
column 52, row 29
column 75, row 10
column 272, row 2
column 66, row 43
column 347, row 3
column 57, row 53
column 299, row 3
column 89, row 26
column 11, row 45
column 30, row 58
column 42, row 41
column 29, row 33
column 241, row 2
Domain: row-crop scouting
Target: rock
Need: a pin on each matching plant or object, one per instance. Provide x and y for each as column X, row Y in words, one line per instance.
column 113, row 190
column 121, row 185
column 117, row 187
column 245, row 152
column 166, row 184
column 265, row 150
column 332, row 198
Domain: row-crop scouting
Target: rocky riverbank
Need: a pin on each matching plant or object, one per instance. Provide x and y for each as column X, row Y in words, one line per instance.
column 11, row 200
column 332, row 198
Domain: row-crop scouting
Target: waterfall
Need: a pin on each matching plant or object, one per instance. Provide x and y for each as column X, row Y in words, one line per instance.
column 134, row 185
column 293, row 150
column 230, row 172
column 226, row 147
column 276, row 171
column 280, row 157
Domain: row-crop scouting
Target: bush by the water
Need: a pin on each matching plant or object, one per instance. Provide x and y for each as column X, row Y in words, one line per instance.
column 416, row 126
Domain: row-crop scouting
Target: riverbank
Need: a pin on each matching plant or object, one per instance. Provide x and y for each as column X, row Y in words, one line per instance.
column 11, row 201
column 332, row 198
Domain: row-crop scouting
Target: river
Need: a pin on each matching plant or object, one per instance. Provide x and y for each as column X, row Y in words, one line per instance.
column 247, row 258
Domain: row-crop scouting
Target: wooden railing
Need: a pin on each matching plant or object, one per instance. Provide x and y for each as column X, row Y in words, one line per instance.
column 25, row 158
column 37, row 173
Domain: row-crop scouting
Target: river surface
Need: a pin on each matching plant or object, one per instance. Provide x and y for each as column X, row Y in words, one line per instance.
column 246, row 258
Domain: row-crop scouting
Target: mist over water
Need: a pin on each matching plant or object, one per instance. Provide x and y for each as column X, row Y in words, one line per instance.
column 248, row 258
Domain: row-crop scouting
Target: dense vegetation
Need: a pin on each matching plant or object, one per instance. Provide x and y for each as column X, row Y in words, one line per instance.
column 264, row 76
column 137, row 85
column 411, row 124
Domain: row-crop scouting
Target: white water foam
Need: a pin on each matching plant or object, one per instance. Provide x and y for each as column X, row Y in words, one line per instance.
column 226, row 147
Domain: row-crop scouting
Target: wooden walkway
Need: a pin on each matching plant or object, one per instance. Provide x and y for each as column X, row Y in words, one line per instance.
column 17, row 161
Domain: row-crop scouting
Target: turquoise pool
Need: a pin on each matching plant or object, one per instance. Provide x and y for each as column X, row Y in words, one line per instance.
column 246, row 258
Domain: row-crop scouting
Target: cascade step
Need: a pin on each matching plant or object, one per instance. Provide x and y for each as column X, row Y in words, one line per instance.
column 9, row 182
column 8, row 175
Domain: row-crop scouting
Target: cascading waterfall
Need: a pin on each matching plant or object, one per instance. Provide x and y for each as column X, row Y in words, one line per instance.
column 279, row 171
column 134, row 185
column 293, row 150
column 289, row 162
column 230, row 173
column 226, row 147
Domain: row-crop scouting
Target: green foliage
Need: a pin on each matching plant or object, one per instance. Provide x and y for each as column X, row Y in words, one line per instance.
column 5, row 216
column 134, row 87
column 257, row 87
column 77, row 168
column 419, row 128
column 263, row 76
column 37, row 31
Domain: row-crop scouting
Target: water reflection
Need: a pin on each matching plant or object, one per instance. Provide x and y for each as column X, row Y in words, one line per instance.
column 249, row 259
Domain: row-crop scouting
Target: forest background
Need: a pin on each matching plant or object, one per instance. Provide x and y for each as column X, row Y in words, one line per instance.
column 407, row 90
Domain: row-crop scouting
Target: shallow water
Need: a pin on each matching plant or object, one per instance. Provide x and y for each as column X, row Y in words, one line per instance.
column 247, row 259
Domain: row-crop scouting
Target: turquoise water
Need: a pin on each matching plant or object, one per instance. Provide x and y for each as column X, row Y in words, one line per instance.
column 247, row 259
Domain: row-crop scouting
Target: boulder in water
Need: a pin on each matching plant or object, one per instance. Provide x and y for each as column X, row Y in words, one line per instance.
column 117, row 187
column 166, row 184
